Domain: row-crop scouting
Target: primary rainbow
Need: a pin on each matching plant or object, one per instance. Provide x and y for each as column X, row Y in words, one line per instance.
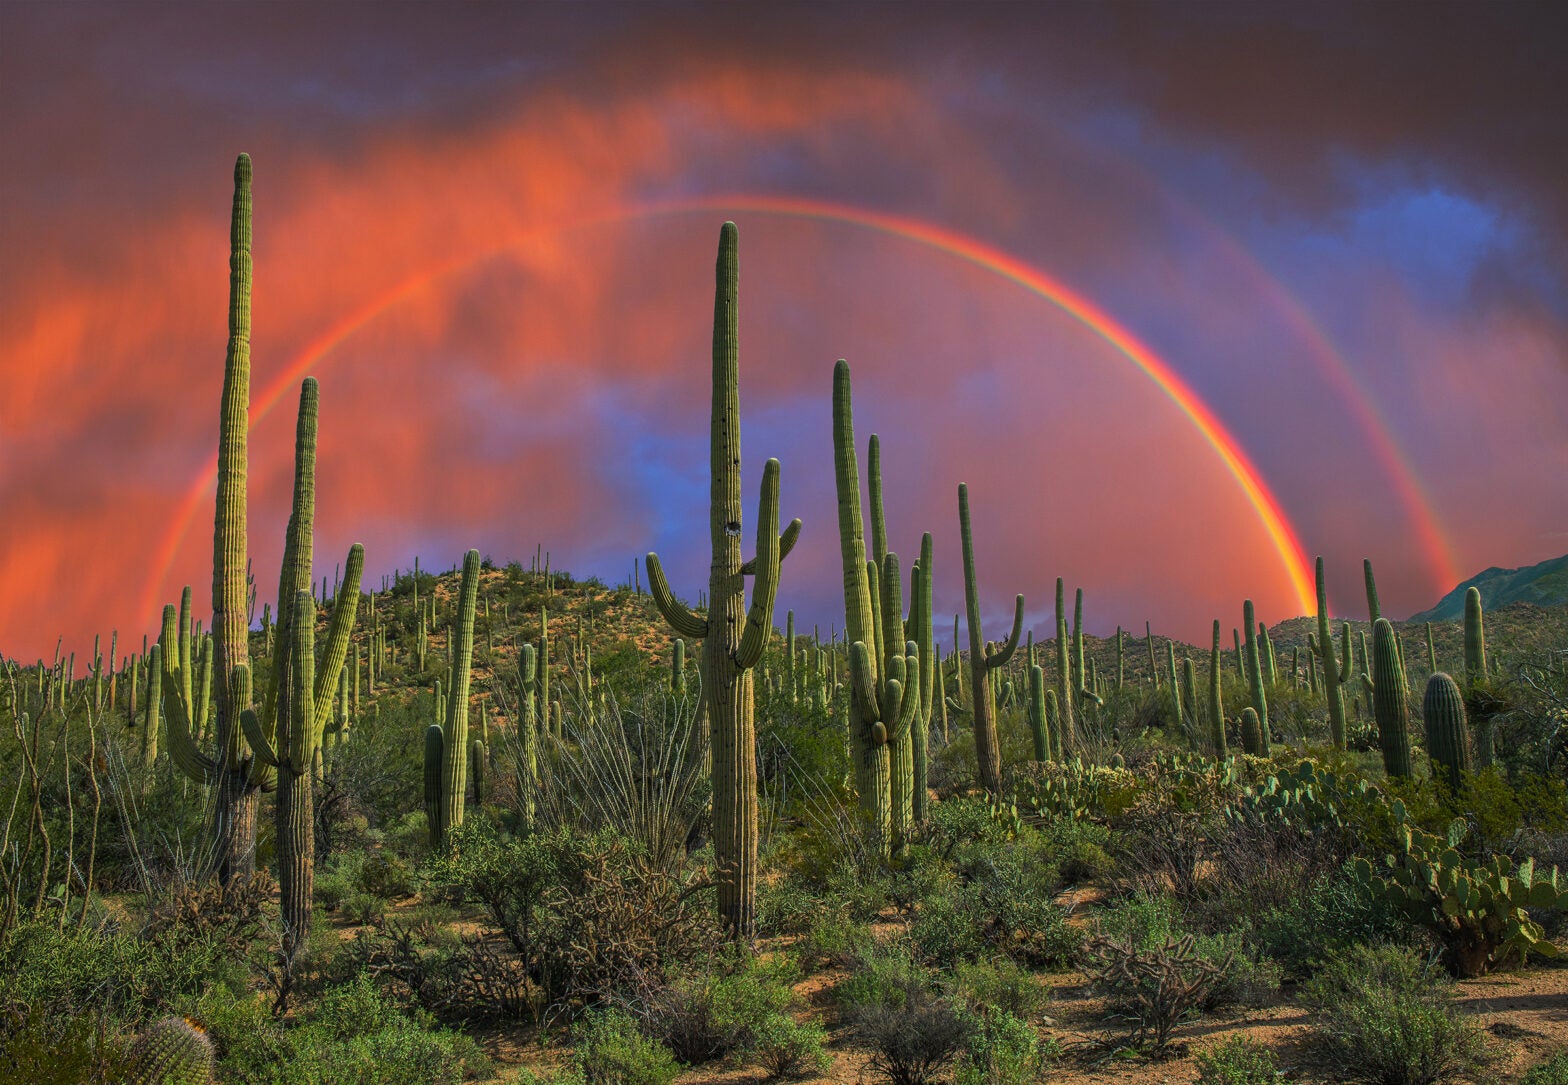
column 1270, row 514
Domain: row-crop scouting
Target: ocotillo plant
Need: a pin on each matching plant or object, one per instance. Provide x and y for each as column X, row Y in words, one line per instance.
column 1390, row 700
column 880, row 714
column 988, row 751
column 1447, row 740
column 1331, row 674
column 733, row 639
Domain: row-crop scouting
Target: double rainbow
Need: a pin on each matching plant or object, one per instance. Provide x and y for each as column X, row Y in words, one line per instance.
column 1271, row 515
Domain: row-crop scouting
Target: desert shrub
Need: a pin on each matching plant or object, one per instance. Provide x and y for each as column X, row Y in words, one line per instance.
column 611, row 1051
column 65, row 974
column 951, row 928
column 1554, row 1071
column 832, row 940
column 353, row 1036
column 999, row 1049
column 913, row 1043
column 1000, row 984
column 786, row 1048
column 455, row 977
column 42, row 1050
column 1081, row 849
column 1331, row 915
column 365, row 908
column 591, row 915
column 387, row 875
column 1237, row 1061
column 1153, row 987
column 884, row 974
column 1386, row 1016
column 787, row 905
column 716, row 1012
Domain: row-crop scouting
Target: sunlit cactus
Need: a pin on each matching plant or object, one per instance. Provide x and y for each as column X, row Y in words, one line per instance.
column 1331, row 669
column 1216, row 699
column 1254, row 662
column 173, row 1051
column 1253, row 737
column 1390, row 700
column 733, row 637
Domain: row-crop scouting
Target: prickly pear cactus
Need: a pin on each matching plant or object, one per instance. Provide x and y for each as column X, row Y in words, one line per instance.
column 1475, row 907
column 174, row 1051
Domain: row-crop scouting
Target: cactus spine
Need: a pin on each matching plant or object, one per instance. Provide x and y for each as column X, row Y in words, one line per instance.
column 733, row 639
column 173, row 1051
column 1331, row 671
column 1447, row 741
column 1390, row 701
column 987, row 749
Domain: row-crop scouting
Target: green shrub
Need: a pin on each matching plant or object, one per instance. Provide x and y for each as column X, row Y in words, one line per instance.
column 387, row 875
column 787, row 1048
column 1554, row 1071
column 1237, row 1061
column 611, row 1051
column 1000, row 984
column 1386, row 1015
column 884, row 975
column 913, row 1043
column 999, row 1049
column 833, row 940
column 1326, row 919
column 711, row 1014
column 366, row 909
column 1080, row 848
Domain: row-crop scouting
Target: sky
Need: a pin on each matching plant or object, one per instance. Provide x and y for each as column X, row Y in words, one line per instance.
column 1186, row 294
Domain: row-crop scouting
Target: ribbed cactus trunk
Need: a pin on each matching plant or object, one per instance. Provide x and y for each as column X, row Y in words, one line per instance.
column 733, row 637
column 1066, row 735
column 1390, row 701
column 1331, row 690
column 296, row 734
column 1447, row 739
column 1260, row 702
column 457, row 757
column 1039, row 726
column 1252, row 737
column 528, row 731
column 1216, row 699
column 233, row 828
column 988, row 752
column 1374, row 612
column 1475, row 671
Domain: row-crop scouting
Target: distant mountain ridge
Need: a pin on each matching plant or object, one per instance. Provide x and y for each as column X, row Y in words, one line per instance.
column 1545, row 585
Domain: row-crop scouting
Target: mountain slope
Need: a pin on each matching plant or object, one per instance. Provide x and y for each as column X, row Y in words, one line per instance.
column 1544, row 585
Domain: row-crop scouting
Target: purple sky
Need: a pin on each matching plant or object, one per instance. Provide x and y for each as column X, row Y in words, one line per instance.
column 1342, row 226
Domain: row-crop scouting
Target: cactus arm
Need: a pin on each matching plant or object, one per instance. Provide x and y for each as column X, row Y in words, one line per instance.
column 1000, row 657
column 905, row 707
column 344, row 608
column 891, row 628
column 260, row 743
column 787, row 542
column 765, row 590
column 182, row 747
column 858, row 620
column 862, row 682
column 681, row 619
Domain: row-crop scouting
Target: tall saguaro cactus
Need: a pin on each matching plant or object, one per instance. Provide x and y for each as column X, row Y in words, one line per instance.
column 882, row 715
column 733, row 637
column 1254, row 662
column 988, row 752
column 1331, row 672
column 234, row 814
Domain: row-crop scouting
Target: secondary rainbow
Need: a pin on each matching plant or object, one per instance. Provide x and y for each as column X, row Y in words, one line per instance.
column 1270, row 514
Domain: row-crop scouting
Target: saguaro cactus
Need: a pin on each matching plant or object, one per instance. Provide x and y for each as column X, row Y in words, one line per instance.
column 1216, row 700
column 233, row 829
column 1475, row 671
column 1253, row 738
column 882, row 665
column 454, row 769
column 1066, row 735
column 1447, row 741
column 1390, row 700
column 1331, row 672
column 733, row 638
column 987, row 749
column 1260, row 702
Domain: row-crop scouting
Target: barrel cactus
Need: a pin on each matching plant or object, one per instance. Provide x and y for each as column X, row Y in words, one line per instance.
column 173, row 1051
column 1447, row 739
